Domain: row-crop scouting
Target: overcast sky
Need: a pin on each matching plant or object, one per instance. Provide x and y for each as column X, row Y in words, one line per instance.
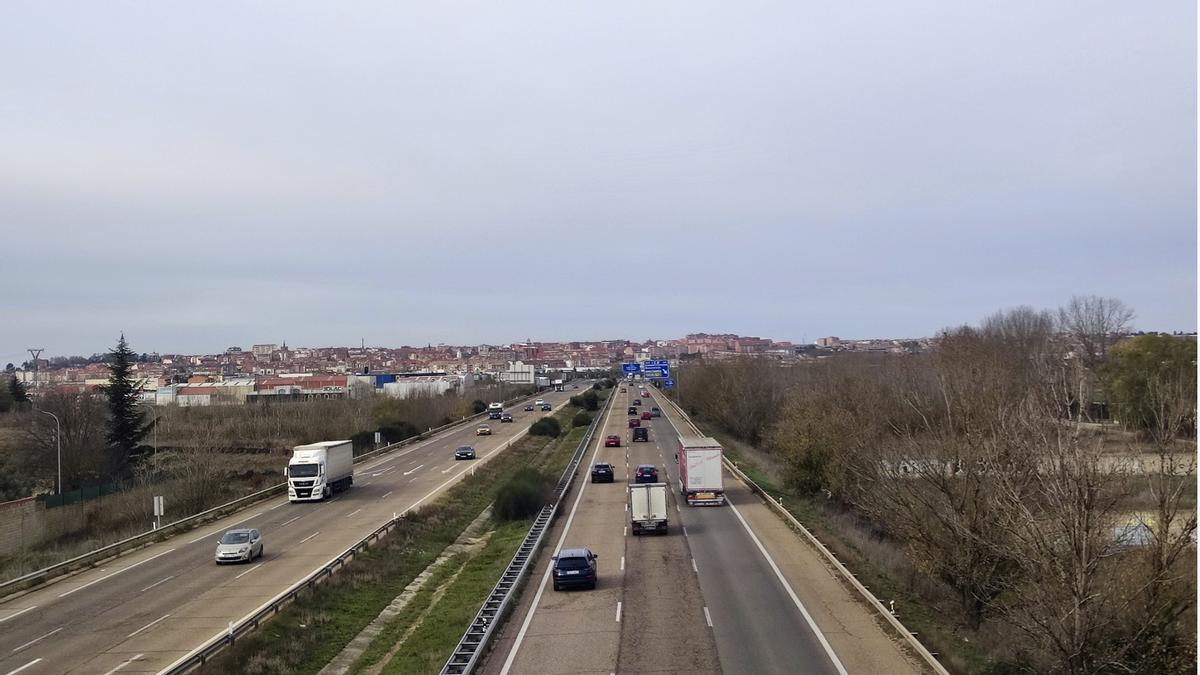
column 200, row 175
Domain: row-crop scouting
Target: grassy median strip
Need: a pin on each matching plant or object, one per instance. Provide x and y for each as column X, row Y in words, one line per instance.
column 308, row 633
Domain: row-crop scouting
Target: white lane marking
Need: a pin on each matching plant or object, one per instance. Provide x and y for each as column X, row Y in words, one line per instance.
column 351, row 514
column 537, row 597
column 160, row 581
column 27, row 665
column 677, row 509
column 618, row 611
column 18, row 613
column 380, row 473
column 694, row 566
column 289, row 522
column 36, row 640
column 229, row 527
column 685, row 530
column 449, row 469
column 310, row 536
column 792, row 594
column 109, row 576
column 624, row 530
column 707, row 617
column 124, row 663
column 270, row 509
column 249, row 571
column 407, row 473
column 161, row 618
column 627, row 507
column 389, row 492
column 622, row 563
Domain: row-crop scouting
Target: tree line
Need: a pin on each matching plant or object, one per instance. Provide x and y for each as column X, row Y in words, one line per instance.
column 985, row 462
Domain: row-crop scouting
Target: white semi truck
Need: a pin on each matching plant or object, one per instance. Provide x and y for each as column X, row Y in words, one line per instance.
column 648, row 508
column 317, row 470
column 700, row 472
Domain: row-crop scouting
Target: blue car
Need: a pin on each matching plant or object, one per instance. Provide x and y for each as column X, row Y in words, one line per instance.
column 574, row 567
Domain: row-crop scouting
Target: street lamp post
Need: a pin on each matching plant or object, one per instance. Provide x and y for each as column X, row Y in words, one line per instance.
column 58, row 442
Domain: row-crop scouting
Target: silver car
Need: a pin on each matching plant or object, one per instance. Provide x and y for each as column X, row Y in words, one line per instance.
column 240, row 545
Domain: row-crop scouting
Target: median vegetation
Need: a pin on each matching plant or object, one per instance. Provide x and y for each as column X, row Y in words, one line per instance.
column 987, row 487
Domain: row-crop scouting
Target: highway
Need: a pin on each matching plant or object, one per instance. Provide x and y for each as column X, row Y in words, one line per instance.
column 142, row 611
column 729, row 589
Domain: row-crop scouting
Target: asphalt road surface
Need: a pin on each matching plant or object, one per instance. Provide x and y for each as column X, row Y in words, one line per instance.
column 143, row 611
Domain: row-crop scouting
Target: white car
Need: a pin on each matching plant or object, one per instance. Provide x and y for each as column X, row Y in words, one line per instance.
column 240, row 545
column 540, row 402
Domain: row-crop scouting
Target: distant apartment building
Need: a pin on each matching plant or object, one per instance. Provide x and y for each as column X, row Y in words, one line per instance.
column 750, row 345
column 829, row 342
column 263, row 351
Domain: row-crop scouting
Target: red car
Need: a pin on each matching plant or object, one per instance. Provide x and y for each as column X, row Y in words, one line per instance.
column 645, row 394
column 635, row 422
column 612, row 441
column 646, row 415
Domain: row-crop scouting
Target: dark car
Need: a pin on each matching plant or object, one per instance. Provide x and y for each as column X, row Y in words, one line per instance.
column 529, row 407
column 494, row 415
column 464, row 452
column 641, row 434
column 507, row 417
column 546, row 407
column 634, row 422
column 574, row 567
column 602, row 473
column 622, row 390
column 646, row 473
column 636, row 401
column 632, row 410
column 655, row 412
column 646, row 415
column 612, row 441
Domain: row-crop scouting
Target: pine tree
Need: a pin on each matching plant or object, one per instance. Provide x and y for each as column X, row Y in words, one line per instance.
column 16, row 390
column 127, row 424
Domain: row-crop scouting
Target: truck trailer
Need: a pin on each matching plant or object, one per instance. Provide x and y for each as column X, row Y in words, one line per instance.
column 317, row 470
column 648, row 507
column 700, row 472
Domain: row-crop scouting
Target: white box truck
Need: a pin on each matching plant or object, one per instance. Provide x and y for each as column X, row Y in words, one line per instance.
column 317, row 470
column 700, row 472
column 648, row 507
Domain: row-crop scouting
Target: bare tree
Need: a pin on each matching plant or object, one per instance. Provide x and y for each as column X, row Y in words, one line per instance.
column 82, row 420
column 1095, row 323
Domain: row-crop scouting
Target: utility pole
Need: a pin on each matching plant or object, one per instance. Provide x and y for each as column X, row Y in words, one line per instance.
column 36, row 353
column 58, row 442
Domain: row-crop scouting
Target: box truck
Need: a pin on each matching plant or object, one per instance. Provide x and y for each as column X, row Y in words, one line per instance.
column 700, row 472
column 648, row 507
column 317, row 470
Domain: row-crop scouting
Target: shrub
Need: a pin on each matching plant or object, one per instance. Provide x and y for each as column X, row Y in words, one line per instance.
column 523, row 495
column 363, row 440
column 597, row 386
column 394, row 433
column 590, row 400
column 581, row 419
column 478, row 406
column 547, row 426
column 576, row 401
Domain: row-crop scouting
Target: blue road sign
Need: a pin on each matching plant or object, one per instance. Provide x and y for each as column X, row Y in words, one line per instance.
column 631, row 368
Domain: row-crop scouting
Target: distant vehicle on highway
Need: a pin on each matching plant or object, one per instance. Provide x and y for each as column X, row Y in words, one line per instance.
column 317, row 470
column 546, row 407
column 700, row 477
column 645, row 394
column 240, row 545
column 540, row 401
column 574, row 567
column 529, row 407
column 633, row 410
column 634, row 422
column 646, row 473
column 464, row 452
column 494, row 414
column 637, row 402
column 506, row 417
column 495, row 406
column 622, row 390
column 648, row 508
column 612, row 441
column 483, row 430
column 646, row 415
column 603, row 473
column 641, row 434
column 655, row 412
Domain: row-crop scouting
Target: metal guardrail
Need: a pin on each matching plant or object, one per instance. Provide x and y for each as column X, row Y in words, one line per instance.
column 201, row 655
column 479, row 633
column 91, row 558
column 795, row 524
